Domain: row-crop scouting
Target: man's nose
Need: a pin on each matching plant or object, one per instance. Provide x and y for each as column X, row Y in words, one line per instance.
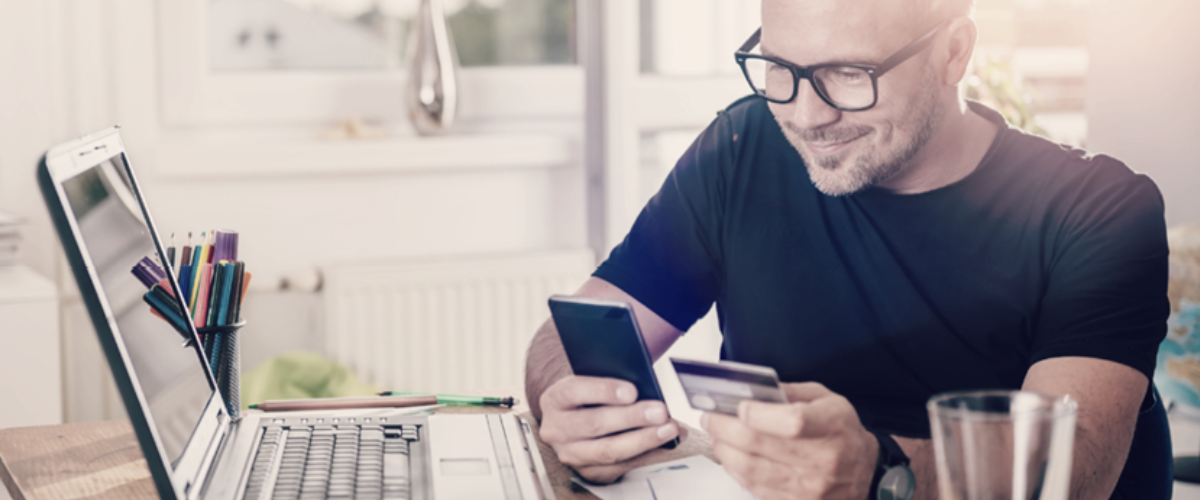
column 809, row 111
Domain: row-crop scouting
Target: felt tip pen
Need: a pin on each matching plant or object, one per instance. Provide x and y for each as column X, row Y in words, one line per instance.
column 454, row 399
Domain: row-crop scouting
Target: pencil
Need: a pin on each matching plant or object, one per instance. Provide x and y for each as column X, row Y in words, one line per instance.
column 205, row 249
column 185, row 258
column 204, row 284
column 196, row 268
column 343, row 403
column 212, row 245
column 185, row 279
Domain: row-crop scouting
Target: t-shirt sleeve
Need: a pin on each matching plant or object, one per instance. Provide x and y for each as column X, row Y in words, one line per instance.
column 670, row 260
column 1106, row 296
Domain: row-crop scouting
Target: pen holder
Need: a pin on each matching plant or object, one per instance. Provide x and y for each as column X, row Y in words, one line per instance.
column 224, row 356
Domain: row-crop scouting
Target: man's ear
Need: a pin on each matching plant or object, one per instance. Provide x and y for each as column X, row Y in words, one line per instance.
column 960, row 44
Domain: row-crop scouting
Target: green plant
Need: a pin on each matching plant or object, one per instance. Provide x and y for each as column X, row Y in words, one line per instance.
column 992, row 81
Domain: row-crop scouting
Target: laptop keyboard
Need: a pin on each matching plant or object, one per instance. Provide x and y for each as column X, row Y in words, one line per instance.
column 338, row 462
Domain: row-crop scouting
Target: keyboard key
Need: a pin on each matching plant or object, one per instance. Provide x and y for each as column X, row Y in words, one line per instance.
column 395, row 466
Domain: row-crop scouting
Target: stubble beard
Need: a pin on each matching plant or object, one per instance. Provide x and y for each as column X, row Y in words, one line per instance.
column 831, row 175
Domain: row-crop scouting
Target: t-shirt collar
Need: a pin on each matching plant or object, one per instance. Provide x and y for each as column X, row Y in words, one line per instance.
column 989, row 114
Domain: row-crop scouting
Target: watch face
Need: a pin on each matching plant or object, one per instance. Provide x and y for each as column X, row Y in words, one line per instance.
column 898, row 483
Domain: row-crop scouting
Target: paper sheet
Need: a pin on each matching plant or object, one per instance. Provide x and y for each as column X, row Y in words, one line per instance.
column 695, row 477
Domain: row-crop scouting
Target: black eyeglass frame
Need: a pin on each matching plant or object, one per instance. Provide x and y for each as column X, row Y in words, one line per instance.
column 806, row 72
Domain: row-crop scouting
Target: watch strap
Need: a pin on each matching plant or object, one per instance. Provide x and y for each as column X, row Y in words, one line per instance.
column 890, row 455
column 890, row 452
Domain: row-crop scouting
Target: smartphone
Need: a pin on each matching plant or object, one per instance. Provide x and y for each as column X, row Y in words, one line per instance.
column 602, row 339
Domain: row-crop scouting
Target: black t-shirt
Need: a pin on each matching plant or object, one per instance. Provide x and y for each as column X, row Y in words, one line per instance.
column 1042, row 251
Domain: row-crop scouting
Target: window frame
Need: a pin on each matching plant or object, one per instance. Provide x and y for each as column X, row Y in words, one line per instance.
column 624, row 103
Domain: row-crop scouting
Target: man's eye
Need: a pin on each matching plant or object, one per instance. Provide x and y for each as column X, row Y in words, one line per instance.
column 848, row 76
column 775, row 68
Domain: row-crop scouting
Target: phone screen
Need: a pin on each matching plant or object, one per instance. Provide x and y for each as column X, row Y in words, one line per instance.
column 602, row 339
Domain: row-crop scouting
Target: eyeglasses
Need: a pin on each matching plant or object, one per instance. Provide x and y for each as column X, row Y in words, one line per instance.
column 844, row 86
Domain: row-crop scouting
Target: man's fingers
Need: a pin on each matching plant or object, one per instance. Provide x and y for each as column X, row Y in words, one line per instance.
column 748, row 470
column 795, row 420
column 732, row 432
column 732, row 459
column 586, row 423
column 602, row 474
column 763, row 477
column 804, row 392
column 573, row 392
column 683, row 432
column 617, row 448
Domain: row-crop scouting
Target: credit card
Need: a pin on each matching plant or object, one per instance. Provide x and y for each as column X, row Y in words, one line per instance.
column 719, row 387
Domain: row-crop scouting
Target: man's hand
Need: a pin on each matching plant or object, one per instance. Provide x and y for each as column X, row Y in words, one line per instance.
column 597, row 424
column 811, row 448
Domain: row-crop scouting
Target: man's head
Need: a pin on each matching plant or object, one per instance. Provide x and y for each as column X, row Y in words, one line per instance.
column 847, row 151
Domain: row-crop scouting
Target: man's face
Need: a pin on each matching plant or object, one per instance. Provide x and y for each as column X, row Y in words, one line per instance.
column 848, row 151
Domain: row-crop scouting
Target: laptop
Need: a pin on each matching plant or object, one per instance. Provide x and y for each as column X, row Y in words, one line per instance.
column 192, row 446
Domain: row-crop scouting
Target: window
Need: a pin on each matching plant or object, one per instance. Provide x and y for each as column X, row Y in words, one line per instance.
column 686, row 74
column 366, row 35
column 1039, row 48
column 309, row 63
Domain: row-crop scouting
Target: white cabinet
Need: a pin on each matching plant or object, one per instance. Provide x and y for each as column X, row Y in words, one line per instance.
column 30, row 358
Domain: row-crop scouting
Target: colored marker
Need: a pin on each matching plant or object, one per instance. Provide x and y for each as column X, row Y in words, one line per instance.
column 455, row 399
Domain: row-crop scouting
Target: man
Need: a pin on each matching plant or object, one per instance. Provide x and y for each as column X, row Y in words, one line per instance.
column 877, row 240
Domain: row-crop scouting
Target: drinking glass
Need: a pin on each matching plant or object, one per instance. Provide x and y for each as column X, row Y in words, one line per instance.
column 1002, row 445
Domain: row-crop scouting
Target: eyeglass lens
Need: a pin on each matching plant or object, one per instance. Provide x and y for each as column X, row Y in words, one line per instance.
column 845, row 86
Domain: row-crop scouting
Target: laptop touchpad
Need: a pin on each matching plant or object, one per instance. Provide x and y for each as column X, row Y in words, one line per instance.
column 465, row 467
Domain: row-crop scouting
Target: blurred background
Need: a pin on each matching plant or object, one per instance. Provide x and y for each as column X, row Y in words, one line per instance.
column 423, row 263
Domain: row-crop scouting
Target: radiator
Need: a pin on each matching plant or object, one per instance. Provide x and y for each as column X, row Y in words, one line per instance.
column 447, row 326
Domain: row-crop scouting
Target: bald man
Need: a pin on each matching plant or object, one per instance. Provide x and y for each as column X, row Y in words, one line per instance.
column 877, row 240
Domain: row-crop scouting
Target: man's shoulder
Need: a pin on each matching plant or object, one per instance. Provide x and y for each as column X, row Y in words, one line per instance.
column 1080, row 194
column 1041, row 161
column 747, row 127
column 742, row 134
column 747, row 102
column 1065, row 169
column 750, row 110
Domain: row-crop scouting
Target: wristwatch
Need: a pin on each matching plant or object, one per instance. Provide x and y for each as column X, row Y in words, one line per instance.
column 893, row 480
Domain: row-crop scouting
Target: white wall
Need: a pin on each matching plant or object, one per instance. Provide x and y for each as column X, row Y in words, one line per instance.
column 27, row 122
column 26, row 126
column 68, row 67
column 1143, row 102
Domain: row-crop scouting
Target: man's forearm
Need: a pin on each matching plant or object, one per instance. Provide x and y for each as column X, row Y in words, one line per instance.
column 545, row 363
column 1084, row 482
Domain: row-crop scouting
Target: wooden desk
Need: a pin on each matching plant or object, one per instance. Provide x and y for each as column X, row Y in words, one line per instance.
column 102, row 460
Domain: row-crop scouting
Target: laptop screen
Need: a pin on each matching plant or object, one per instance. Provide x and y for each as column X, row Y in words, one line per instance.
column 172, row 377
